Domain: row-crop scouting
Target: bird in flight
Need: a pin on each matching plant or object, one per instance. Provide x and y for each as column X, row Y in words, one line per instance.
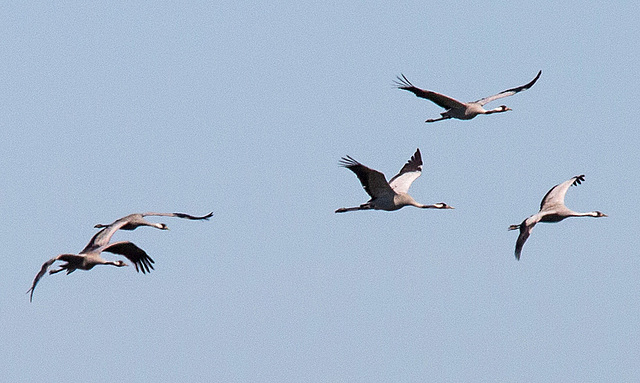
column 390, row 195
column 133, row 221
column 552, row 209
column 458, row 109
column 90, row 256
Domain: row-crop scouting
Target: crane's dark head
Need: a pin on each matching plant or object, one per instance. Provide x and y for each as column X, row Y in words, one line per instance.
column 442, row 205
column 600, row 214
column 120, row 263
column 504, row 108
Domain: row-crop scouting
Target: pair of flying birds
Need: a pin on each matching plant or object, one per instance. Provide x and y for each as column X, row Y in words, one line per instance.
column 90, row 255
column 393, row 195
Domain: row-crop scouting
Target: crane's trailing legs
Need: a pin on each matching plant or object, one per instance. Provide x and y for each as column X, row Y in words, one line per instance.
column 438, row 119
column 361, row 207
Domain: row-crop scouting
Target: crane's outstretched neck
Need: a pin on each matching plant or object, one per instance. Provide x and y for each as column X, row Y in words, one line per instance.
column 589, row 214
column 439, row 205
column 500, row 109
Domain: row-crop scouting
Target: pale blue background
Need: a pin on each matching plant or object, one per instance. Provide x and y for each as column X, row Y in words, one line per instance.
column 245, row 108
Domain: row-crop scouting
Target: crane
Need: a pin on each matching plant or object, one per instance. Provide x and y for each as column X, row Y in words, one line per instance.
column 552, row 209
column 458, row 109
column 90, row 256
column 136, row 220
column 390, row 195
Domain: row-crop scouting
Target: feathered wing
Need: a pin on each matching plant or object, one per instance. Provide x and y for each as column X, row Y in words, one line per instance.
column 41, row 273
column 179, row 215
column 69, row 258
column 103, row 237
column 401, row 182
column 136, row 255
column 437, row 98
column 509, row 92
column 525, row 231
column 555, row 196
column 373, row 182
column 135, row 220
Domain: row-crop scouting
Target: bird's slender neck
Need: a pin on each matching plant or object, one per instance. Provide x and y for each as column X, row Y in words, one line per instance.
column 113, row 263
column 434, row 206
column 587, row 214
column 404, row 199
column 495, row 110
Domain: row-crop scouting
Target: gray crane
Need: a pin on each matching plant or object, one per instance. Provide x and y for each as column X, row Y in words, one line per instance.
column 458, row 109
column 90, row 255
column 133, row 221
column 390, row 195
column 552, row 209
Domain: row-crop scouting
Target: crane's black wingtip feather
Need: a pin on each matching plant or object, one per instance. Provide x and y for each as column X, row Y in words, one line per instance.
column 188, row 216
column 347, row 161
column 529, row 85
column 403, row 82
column 145, row 264
column 535, row 78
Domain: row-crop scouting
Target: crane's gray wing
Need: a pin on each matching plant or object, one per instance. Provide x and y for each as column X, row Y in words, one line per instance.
column 525, row 231
column 508, row 92
column 401, row 182
column 437, row 98
column 41, row 273
column 373, row 182
column 179, row 215
column 555, row 196
column 136, row 255
column 103, row 237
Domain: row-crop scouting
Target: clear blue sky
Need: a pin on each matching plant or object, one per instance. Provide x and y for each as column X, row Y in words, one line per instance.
column 244, row 109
